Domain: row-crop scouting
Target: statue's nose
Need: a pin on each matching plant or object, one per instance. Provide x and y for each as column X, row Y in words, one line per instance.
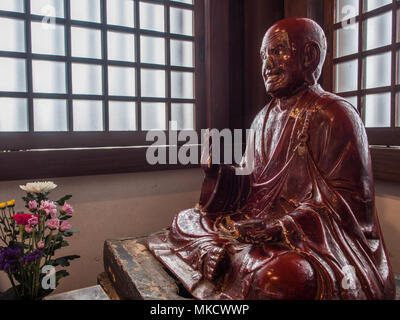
column 269, row 65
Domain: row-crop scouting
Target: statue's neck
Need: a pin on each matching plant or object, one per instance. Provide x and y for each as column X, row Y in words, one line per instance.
column 288, row 102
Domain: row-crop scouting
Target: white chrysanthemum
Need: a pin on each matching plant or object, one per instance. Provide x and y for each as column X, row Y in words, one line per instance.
column 39, row 187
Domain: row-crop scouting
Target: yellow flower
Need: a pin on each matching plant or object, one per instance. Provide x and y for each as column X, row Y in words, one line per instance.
column 11, row 203
column 2, row 205
column 8, row 233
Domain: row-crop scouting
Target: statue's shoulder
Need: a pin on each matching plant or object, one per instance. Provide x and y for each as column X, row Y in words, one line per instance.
column 331, row 106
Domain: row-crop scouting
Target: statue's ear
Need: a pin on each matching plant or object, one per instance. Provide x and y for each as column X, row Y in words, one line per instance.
column 312, row 56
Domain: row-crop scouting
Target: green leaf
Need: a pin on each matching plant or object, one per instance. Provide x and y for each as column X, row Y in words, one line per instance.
column 67, row 234
column 63, row 199
column 63, row 218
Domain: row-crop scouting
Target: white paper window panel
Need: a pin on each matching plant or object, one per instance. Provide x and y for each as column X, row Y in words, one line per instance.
column 378, row 70
column 370, row 5
column 378, row 31
column 182, row 116
column 86, row 10
column 121, row 46
column 121, row 81
column 121, row 13
column 346, row 41
column 47, row 40
column 346, row 76
column 12, row 35
column 181, row 21
column 50, row 115
column 153, row 83
column 151, row 16
column 353, row 101
column 183, row 1
column 88, row 115
column 12, row 5
column 86, row 43
column 13, row 75
column 182, row 85
column 152, row 50
column 87, row 79
column 122, row 116
column 153, row 116
column 48, row 76
column 345, row 9
column 13, row 115
column 48, row 8
column 377, row 110
column 182, row 53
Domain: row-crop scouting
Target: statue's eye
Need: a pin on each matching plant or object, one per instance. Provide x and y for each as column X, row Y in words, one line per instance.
column 263, row 56
column 277, row 51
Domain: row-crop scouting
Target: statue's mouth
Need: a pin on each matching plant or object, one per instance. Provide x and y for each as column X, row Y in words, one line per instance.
column 273, row 76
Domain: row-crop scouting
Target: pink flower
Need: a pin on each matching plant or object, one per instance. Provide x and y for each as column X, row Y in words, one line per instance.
column 67, row 209
column 32, row 205
column 53, row 224
column 33, row 221
column 28, row 228
column 65, row 226
column 40, row 244
column 49, row 208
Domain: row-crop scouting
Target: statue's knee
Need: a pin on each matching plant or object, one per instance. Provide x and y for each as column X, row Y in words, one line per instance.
column 289, row 276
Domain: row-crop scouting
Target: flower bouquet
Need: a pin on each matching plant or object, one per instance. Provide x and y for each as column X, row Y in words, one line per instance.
column 29, row 241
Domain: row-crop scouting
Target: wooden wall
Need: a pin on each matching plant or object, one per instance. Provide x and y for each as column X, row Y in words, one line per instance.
column 233, row 33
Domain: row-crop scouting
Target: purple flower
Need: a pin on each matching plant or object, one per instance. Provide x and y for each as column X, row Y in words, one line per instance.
column 32, row 205
column 9, row 258
column 67, row 209
column 32, row 257
column 49, row 208
column 65, row 226
column 53, row 224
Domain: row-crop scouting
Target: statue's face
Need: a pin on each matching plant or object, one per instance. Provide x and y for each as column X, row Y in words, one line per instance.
column 282, row 68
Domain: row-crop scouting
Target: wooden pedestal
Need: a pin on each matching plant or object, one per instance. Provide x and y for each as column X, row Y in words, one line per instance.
column 136, row 274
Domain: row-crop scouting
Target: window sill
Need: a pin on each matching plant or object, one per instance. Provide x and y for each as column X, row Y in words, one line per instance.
column 80, row 162
column 77, row 162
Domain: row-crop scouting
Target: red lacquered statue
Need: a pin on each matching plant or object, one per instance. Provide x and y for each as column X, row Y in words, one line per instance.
column 303, row 224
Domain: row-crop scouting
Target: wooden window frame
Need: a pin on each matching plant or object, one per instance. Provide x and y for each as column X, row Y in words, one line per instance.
column 384, row 142
column 34, row 155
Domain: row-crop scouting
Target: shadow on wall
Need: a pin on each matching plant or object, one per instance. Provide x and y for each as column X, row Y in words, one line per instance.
column 113, row 206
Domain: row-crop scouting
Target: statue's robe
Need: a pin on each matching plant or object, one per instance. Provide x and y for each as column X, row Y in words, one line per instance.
column 312, row 176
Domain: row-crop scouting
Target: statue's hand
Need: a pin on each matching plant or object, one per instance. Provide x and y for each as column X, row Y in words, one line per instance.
column 206, row 156
column 258, row 231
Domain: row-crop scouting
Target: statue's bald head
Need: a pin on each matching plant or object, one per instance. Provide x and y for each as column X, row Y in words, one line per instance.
column 300, row 32
column 302, row 46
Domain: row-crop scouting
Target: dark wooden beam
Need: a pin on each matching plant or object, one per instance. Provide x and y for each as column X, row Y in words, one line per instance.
column 386, row 163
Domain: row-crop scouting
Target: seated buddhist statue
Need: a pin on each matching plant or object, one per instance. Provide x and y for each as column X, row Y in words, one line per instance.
column 303, row 223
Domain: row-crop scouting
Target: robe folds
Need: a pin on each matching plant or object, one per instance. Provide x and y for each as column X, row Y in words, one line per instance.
column 312, row 178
